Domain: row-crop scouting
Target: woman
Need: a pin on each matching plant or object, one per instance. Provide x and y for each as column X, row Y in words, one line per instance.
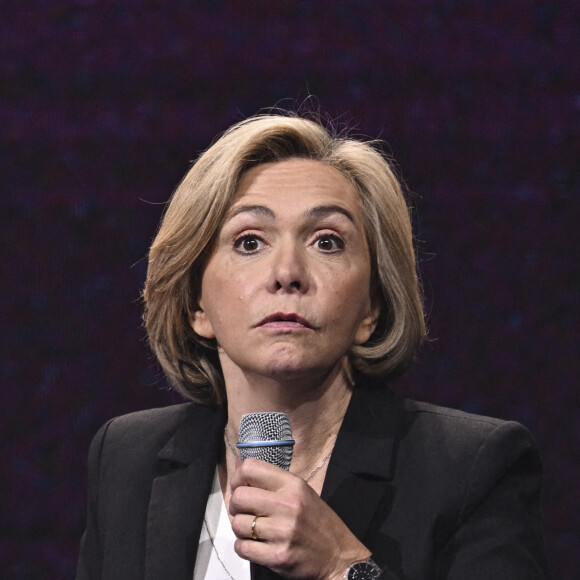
column 283, row 278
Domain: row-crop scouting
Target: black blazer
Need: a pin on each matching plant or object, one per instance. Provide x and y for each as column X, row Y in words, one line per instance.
column 434, row 493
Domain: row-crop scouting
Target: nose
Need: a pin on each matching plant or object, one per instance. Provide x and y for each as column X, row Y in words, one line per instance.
column 289, row 269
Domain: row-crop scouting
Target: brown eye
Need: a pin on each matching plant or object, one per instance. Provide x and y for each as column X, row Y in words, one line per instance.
column 248, row 244
column 329, row 243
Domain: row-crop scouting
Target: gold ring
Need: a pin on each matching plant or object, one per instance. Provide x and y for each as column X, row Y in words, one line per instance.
column 254, row 532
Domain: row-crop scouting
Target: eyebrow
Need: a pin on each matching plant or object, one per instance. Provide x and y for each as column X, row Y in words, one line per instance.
column 314, row 213
column 322, row 211
column 256, row 209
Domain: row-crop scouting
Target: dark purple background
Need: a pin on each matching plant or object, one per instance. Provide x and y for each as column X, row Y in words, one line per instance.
column 104, row 104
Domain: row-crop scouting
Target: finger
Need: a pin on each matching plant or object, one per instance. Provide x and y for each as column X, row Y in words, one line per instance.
column 289, row 499
column 252, row 500
column 250, row 527
column 256, row 473
column 257, row 552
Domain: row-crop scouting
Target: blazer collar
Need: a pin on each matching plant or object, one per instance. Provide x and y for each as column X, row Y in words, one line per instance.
column 182, row 481
column 195, row 434
column 363, row 461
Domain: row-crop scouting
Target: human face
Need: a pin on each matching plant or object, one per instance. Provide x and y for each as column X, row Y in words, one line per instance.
column 286, row 292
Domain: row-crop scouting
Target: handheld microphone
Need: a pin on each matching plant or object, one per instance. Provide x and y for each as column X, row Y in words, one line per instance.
column 268, row 437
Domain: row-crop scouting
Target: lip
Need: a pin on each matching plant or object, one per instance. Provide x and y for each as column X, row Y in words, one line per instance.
column 283, row 320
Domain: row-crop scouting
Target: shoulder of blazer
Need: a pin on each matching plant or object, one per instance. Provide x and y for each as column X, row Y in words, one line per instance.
column 153, row 422
column 143, row 437
column 455, row 431
column 376, row 409
column 388, row 436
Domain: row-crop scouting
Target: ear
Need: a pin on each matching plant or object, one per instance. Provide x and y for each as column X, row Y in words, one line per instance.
column 201, row 324
column 368, row 323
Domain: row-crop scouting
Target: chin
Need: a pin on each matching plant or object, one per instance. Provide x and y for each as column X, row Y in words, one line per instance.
column 297, row 370
column 281, row 370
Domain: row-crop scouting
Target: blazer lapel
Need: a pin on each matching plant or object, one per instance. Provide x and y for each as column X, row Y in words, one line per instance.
column 362, row 464
column 184, row 473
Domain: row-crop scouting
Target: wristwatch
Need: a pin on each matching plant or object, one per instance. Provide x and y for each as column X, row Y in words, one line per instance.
column 365, row 570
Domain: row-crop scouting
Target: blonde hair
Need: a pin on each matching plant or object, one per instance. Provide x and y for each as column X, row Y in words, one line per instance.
column 193, row 219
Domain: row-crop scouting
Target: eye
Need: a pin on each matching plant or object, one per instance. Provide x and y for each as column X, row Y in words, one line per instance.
column 248, row 244
column 329, row 243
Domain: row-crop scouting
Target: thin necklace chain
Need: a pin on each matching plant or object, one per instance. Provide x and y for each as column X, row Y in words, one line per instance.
column 232, row 448
column 212, row 540
column 313, row 472
column 310, row 476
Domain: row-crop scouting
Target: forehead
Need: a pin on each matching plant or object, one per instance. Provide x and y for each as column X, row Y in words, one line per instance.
column 295, row 181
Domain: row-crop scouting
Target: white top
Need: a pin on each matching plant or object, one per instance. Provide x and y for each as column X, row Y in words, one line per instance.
column 218, row 560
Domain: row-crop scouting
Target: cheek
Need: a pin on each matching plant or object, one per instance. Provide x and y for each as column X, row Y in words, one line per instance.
column 356, row 307
column 227, row 300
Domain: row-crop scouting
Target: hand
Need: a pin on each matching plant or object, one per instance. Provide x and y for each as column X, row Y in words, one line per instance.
column 299, row 535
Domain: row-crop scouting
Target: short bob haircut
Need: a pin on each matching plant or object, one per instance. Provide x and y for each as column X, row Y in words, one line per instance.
column 194, row 216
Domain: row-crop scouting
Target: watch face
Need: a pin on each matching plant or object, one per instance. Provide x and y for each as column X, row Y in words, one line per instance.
column 364, row 571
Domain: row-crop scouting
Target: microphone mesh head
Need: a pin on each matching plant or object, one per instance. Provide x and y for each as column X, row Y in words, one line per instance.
column 266, row 427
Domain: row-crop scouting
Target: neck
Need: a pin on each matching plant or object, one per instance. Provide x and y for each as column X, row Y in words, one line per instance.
column 315, row 408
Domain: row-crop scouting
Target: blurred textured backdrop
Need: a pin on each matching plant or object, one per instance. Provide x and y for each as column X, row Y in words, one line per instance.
column 104, row 104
